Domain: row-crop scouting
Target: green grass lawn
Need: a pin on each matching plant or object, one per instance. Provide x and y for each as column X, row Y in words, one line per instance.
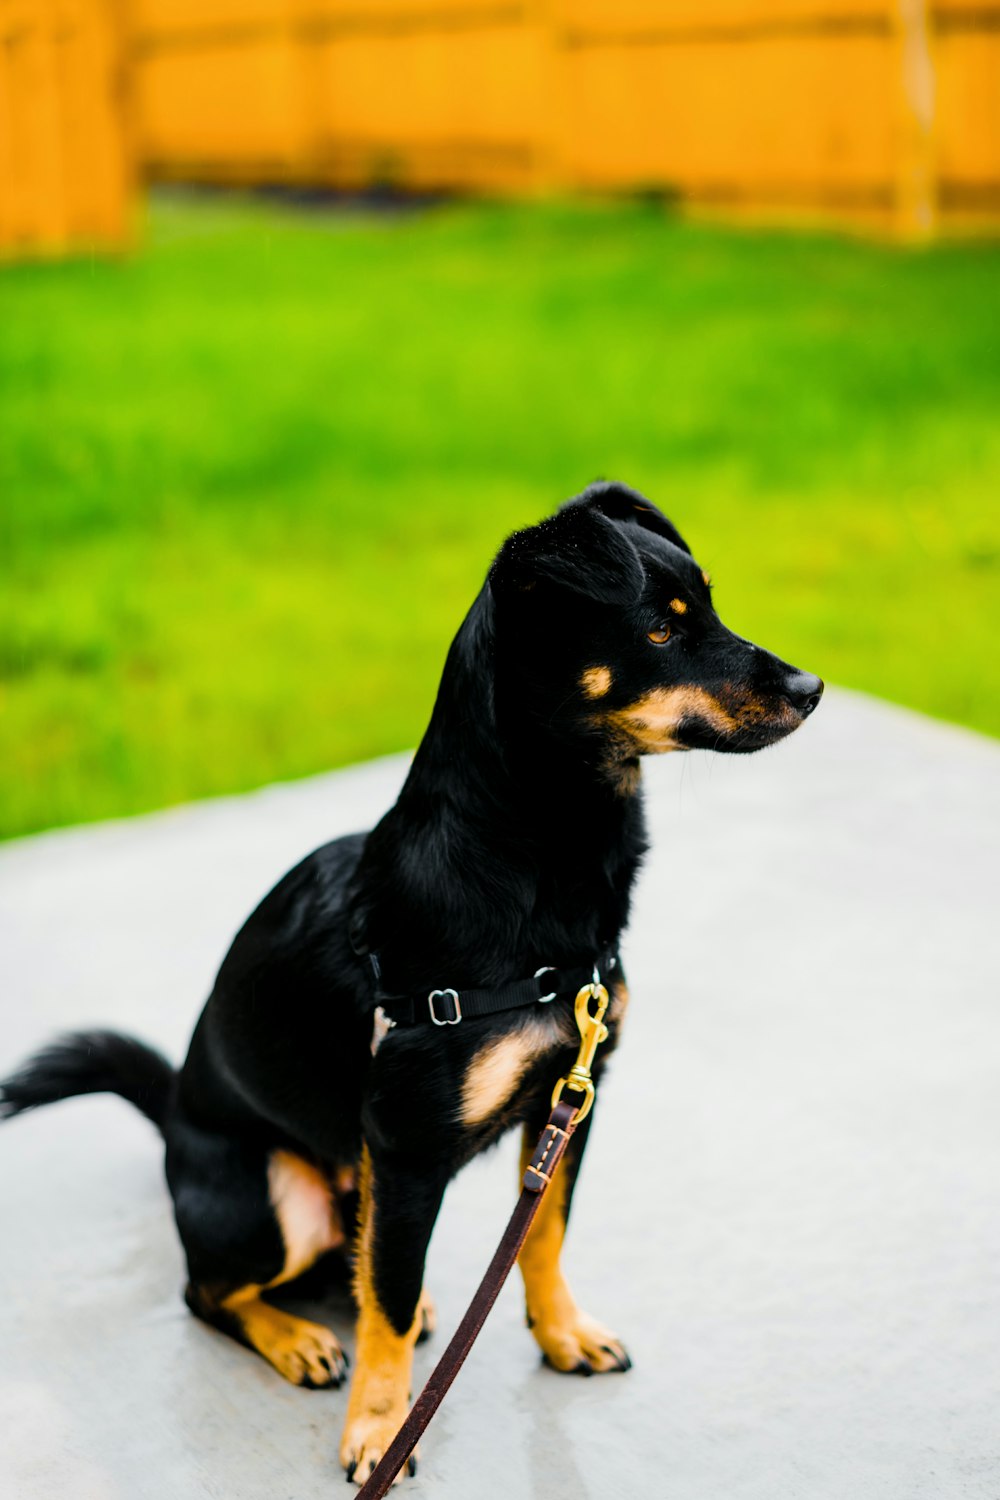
column 251, row 478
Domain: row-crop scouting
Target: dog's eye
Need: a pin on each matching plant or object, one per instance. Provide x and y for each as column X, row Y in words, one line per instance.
column 660, row 635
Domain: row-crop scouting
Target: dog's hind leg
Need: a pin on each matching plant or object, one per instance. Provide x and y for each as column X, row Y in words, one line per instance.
column 569, row 1339
column 397, row 1213
column 251, row 1219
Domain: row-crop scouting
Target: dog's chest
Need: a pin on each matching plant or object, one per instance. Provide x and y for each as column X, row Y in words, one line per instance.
column 510, row 1074
column 496, row 1076
column 451, row 1106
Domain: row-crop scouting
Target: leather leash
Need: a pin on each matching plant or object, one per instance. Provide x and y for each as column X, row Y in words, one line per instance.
column 552, row 1143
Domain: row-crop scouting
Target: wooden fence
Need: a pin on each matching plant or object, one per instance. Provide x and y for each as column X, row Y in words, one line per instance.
column 64, row 173
column 883, row 111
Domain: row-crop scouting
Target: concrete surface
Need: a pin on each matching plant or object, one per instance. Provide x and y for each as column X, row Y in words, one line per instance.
column 803, row 1256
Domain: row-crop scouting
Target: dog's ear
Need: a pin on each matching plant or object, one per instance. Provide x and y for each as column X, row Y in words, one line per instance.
column 620, row 503
column 578, row 548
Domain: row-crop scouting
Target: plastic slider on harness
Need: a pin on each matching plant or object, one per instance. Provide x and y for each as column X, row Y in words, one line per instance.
column 436, row 995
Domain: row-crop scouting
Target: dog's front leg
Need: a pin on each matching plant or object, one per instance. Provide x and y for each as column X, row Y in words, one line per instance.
column 569, row 1339
column 399, row 1205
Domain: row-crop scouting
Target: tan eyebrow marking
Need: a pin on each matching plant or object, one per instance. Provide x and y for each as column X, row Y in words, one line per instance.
column 706, row 578
column 678, row 606
column 596, row 681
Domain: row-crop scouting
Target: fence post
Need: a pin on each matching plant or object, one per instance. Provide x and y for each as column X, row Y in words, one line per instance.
column 916, row 176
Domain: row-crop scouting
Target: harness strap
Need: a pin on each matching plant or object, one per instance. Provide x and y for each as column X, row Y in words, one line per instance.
column 547, row 1155
column 447, row 1007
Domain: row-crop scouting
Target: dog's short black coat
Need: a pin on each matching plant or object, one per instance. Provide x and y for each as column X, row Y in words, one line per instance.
column 513, row 844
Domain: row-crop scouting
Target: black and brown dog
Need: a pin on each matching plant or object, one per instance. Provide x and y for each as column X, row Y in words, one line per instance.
column 512, row 849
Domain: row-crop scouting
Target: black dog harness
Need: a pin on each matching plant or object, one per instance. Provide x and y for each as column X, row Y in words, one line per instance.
column 448, row 1007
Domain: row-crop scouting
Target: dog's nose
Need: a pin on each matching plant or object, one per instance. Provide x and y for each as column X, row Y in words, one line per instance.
column 803, row 692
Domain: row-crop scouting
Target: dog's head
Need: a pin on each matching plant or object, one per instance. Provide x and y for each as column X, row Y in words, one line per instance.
column 606, row 622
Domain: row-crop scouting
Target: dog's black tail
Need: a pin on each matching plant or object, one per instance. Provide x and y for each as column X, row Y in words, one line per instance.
column 91, row 1062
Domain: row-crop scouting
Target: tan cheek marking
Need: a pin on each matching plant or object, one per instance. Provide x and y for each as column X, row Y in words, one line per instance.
column 678, row 606
column 497, row 1070
column 596, row 681
column 652, row 721
column 302, row 1199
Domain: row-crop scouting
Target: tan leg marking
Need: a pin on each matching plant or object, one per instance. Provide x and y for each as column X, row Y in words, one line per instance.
column 380, row 1389
column 570, row 1340
column 305, row 1353
column 304, row 1204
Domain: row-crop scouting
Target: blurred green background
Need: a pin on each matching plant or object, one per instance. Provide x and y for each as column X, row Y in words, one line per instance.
column 251, row 479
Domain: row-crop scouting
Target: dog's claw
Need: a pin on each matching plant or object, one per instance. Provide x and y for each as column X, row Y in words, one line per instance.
column 366, row 1442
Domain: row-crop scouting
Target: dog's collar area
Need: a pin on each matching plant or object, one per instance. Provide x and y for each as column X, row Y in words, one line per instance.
column 449, row 1007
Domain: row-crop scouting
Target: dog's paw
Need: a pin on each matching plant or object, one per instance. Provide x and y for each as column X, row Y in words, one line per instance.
column 366, row 1437
column 305, row 1353
column 581, row 1347
column 309, row 1356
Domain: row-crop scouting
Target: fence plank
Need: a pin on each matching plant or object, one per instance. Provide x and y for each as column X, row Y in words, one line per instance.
column 64, row 173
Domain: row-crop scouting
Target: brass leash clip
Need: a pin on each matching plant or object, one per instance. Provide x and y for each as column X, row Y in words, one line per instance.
column 592, row 1033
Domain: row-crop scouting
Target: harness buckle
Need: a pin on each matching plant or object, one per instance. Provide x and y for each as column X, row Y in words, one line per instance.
column 444, row 1020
